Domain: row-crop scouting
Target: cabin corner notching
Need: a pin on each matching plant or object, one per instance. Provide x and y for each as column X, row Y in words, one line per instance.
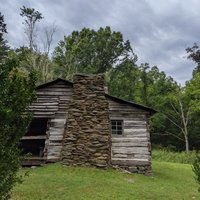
column 78, row 124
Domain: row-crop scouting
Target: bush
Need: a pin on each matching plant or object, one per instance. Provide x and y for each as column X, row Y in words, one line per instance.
column 16, row 93
column 196, row 169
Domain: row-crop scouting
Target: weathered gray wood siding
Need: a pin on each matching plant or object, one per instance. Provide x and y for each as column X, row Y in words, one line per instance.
column 52, row 103
column 132, row 149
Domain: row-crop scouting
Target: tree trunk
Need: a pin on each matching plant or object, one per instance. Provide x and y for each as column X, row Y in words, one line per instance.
column 186, row 144
column 184, row 118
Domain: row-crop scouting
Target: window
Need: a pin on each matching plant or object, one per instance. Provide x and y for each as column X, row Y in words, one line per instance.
column 38, row 126
column 117, row 127
column 34, row 140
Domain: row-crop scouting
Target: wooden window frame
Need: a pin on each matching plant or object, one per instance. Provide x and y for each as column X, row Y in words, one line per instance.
column 119, row 130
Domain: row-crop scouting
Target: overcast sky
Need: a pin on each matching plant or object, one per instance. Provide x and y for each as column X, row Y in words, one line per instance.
column 159, row 30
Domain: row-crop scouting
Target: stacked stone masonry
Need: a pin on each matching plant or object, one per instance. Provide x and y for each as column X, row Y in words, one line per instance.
column 87, row 132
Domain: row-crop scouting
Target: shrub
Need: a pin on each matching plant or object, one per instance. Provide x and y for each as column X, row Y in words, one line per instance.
column 16, row 93
column 196, row 169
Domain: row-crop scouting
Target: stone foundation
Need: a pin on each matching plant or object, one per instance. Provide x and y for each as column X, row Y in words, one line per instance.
column 87, row 133
column 139, row 169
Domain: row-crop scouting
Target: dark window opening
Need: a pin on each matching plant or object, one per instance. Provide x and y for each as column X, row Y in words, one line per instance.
column 38, row 126
column 117, row 127
column 33, row 142
column 33, row 147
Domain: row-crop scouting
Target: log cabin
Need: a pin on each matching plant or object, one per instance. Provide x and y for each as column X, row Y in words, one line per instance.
column 78, row 123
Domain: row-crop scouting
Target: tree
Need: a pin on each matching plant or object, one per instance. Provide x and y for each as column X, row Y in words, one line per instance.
column 16, row 93
column 154, row 90
column 31, row 18
column 123, row 80
column 148, row 86
column 144, row 83
column 196, row 169
column 90, row 51
column 193, row 95
column 36, row 57
column 32, row 57
column 46, row 71
column 181, row 108
column 192, row 98
column 179, row 115
column 37, row 61
column 194, row 54
column 3, row 46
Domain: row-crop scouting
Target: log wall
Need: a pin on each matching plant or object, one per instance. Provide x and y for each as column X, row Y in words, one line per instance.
column 132, row 149
column 52, row 103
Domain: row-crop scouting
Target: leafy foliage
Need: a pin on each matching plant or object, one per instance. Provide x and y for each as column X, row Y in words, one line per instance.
column 16, row 93
column 31, row 16
column 32, row 57
column 194, row 54
column 123, row 80
column 196, row 168
column 3, row 44
column 90, row 51
column 37, row 61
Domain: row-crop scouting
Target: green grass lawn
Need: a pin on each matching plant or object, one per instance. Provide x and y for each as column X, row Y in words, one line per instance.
column 169, row 181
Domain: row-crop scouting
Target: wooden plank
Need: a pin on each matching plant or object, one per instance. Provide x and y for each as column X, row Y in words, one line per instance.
column 57, row 124
column 43, row 115
column 58, row 120
column 126, row 113
column 54, row 148
column 59, row 86
column 52, row 93
column 142, row 156
column 42, row 106
column 53, row 158
column 45, row 110
column 131, row 144
column 121, row 116
column 130, row 162
column 36, row 137
column 135, row 131
column 55, row 137
column 55, row 143
column 125, row 117
column 135, row 156
column 52, row 103
column 123, row 106
column 46, row 98
column 129, row 139
column 56, row 89
column 133, row 122
column 120, row 156
column 128, row 150
column 136, row 136
column 57, row 133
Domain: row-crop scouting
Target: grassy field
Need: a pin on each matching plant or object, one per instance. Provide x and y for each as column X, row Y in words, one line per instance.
column 170, row 181
column 171, row 156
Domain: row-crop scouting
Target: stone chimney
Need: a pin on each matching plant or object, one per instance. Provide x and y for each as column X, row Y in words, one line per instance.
column 87, row 133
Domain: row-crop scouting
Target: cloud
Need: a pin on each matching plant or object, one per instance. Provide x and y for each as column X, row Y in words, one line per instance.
column 159, row 31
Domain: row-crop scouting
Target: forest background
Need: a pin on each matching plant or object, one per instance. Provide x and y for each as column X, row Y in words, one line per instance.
column 176, row 123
